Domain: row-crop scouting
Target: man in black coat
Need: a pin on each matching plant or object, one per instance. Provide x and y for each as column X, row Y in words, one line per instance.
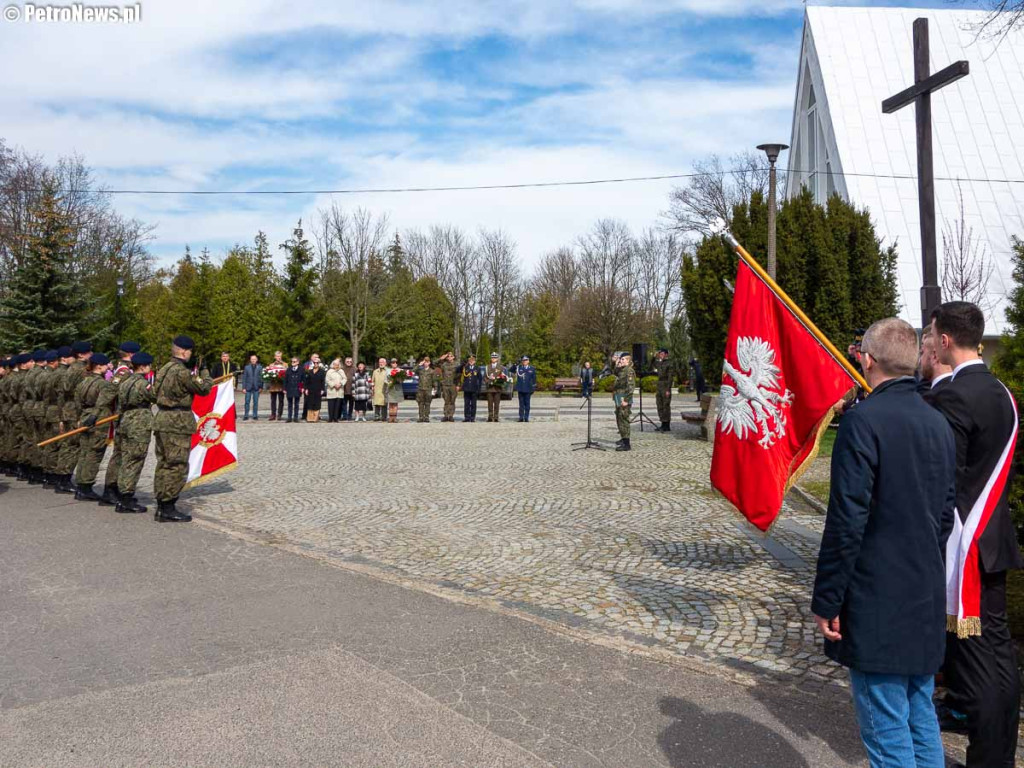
column 294, row 378
column 879, row 595
column 472, row 376
column 934, row 375
column 981, row 665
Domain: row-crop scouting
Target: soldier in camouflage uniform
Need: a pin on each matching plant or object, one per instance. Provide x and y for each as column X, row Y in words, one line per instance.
column 174, row 425
column 666, row 372
column 50, row 423
column 448, row 368
column 12, row 395
column 32, row 409
column 625, row 383
column 122, row 371
column 425, row 388
column 70, row 447
column 93, row 404
column 135, row 398
column 55, row 423
column 6, row 466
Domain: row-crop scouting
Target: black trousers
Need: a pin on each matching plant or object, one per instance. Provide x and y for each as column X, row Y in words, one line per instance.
column 276, row 404
column 334, row 408
column 469, row 406
column 981, row 676
column 293, row 408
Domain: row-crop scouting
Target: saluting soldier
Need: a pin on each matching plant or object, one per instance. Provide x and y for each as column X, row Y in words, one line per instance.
column 666, row 372
column 174, row 425
column 425, row 388
column 89, row 395
column 472, row 376
column 70, row 447
column 625, row 383
column 122, row 371
column 135, row 398
column 447, row 366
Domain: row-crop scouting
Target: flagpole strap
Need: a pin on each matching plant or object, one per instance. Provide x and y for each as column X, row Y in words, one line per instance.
column 821, row 338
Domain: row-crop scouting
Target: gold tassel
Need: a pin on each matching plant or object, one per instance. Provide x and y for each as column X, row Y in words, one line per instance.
column 964, row 628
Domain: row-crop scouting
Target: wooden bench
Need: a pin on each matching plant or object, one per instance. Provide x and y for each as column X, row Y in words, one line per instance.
column 567, row 385
column 702, row 418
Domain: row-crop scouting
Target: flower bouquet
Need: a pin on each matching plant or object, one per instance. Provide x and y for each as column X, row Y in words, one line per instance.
column 273, row 375
column 497, row 380
column 398, row 375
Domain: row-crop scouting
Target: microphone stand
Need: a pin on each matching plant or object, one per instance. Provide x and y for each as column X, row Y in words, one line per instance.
column 590, row 444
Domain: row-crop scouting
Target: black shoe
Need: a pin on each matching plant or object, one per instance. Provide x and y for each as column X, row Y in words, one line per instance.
column 86, row 493
column 665, row 427
column 166, row 512
column 127, row 504
column 35, row 477
column 111, row 497
column 625, row 446
column 64, row 485
column 947, row 721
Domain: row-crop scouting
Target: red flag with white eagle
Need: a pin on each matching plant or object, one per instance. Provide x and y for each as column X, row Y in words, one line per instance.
column 779, row 385
column 215, row 441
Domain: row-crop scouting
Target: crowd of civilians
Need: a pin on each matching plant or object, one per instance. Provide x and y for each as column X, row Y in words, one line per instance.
column 917, row 507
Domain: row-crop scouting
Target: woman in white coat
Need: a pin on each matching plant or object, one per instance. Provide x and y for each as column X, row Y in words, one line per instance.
column 336, row 381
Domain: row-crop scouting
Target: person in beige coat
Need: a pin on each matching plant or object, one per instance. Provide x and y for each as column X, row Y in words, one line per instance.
column 336, row 381
column 380, row 395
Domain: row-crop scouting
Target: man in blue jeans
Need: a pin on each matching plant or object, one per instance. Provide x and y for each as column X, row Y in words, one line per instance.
column 252, row 383
column 880, row 590
column 526, row 385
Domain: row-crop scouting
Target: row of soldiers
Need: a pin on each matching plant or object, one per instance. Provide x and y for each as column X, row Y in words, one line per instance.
column 48, row 394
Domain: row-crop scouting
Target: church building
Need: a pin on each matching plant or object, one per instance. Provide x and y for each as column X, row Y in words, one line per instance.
column 851, row 60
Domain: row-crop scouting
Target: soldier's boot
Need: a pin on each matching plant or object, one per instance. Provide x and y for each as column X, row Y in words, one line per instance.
column 85, row 493
column 64, row 485
column 665, row 427
column 127, row 504
column 166, row 512
column 110, row 496
column 49, row 480
column 625, row 446
column 35, row 476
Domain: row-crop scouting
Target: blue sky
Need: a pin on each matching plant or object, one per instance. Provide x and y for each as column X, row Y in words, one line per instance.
column 255, row 94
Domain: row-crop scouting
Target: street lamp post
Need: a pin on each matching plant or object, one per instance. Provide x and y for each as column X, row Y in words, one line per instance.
column 773, row 151
column 117, row 308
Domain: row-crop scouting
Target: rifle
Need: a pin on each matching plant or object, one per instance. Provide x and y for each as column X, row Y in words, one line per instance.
column 78, row 431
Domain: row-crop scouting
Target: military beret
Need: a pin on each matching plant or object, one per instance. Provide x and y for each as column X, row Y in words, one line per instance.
column 39, row 355
column 184, row 342
column 23, row 358
column 4, row 362
column 81, row 347
column 142, row 358
column 662, row 350
column 64, row 352
column 99, row 358
column 51, row 355
column 130, row 347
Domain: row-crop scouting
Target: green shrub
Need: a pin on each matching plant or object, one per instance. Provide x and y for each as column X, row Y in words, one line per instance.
column 545, row 383
column 649, row 384
column 607, row 384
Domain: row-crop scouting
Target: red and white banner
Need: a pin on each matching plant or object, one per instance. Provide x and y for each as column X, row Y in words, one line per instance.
column 778, row 389
column 963, row 564
column 215, row 441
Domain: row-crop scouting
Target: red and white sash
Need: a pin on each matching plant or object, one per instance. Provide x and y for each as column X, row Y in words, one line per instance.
column 963, row 567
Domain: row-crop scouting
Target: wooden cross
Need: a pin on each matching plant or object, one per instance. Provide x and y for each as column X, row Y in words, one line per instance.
column 920, row 94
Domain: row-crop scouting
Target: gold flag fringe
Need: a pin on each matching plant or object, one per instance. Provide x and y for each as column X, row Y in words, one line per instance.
column 969, row 626
column 209, row 477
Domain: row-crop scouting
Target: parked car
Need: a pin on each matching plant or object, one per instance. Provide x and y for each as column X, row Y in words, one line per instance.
column 410, row 385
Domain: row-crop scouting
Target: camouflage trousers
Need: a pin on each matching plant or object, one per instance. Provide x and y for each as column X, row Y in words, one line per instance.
column 28, row 453
column 664, row 401
column 67, row 454
column 133, row 458
column 50, row 454
column 171, row 465
column 423, row 401
column 90, row 455
column 622, row 414
column 448, row 393
column 114, row 462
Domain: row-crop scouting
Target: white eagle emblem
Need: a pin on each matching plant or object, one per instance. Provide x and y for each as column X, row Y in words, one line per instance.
column 754, row 404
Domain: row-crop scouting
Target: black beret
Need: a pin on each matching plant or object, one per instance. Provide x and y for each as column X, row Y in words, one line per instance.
column 662, row 350
column 142, row 358
column 51, row 355
column 23, row 358
column 184, row 342
column 4, row 362
column 39, row 355
column 64, row 352
column 99, row 358
column 81, row 347
column 130, row 347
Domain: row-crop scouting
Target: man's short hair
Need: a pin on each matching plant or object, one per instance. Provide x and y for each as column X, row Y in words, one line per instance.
column 962, row 321
column 893, row 345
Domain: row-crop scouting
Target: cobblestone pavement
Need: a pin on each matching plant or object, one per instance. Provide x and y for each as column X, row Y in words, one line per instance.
column 632, row 546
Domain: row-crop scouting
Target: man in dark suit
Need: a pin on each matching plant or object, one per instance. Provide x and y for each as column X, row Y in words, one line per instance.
column 472, row 376
column 934, row 374
column 525, row 386
column 879, row 594
column 981, row 665
column 225, row 368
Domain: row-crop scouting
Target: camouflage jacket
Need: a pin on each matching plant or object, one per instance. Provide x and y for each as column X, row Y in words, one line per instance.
column 12, row 396
column 625, row 383
column 448, row 368
column 73, row 377
column 666, row 372
column 52, row 393
column 29, row 394
column 135, row 398
column 175, row 387
column 89, row 395
column 108, row 397
column 428, row 377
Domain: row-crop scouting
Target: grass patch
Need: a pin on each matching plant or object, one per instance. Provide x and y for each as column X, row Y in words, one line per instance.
column 827, row 441
column 817, row 488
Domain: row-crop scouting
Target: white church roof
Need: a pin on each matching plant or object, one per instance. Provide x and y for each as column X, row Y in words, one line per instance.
column 853, row 59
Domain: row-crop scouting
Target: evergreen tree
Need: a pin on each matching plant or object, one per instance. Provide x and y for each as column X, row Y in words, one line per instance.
column 43, row 306
column 297, row 303
column 1009, row 366
column 709, row 302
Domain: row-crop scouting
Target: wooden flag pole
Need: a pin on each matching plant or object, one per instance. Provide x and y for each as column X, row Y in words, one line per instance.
column 222, row 379
column 78, row 431
column 803, row 318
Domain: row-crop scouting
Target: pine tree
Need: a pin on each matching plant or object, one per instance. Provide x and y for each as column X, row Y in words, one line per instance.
column 1009, row 366
column 44, row 307
column 298, row 319
column 709, row 302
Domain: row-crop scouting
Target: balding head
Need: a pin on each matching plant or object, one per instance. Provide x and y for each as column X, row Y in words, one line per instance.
column 892, row 347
